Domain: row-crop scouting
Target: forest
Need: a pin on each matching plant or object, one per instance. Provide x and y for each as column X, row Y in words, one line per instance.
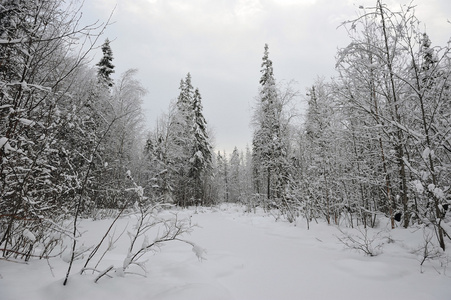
column 375, row 141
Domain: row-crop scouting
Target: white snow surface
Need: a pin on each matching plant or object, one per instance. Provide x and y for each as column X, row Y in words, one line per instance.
column 244, row 256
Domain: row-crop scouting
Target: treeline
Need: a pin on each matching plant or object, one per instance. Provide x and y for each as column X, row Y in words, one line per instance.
column 72, row 140
column 68, row 132
column 376, row 140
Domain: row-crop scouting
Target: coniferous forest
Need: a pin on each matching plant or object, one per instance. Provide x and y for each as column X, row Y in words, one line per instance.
column 375, row 143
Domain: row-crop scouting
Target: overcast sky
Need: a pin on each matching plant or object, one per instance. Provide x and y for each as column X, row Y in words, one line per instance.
column 220, row 42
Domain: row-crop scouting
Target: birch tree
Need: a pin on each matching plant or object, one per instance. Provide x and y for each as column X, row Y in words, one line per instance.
column 390, row 73
column 41, row 71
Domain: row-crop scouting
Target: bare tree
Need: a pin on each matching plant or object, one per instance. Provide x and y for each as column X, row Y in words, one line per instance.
column 42, row 53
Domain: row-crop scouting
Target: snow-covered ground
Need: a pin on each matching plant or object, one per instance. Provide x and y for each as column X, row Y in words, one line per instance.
column 249, row 256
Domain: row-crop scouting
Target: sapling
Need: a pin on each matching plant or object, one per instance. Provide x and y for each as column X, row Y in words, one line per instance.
column 363, row 242
column 168, row 229
column 110, row 245
column 428, row 251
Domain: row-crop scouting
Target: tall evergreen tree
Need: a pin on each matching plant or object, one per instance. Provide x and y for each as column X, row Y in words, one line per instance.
column 221, row 177
column 182, row 141
column 105, row 65
column 235, row 176
column 269, row 150
column 201, row 150
column 189, row 151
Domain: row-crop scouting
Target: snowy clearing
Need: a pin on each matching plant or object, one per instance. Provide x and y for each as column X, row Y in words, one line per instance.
column 248, row 256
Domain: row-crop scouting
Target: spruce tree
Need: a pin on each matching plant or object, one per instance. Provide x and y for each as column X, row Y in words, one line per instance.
column 201, row 150
column 269, row 151
column 181, row 141
column 235, row 176
column 221, row 177
column 191, row 151
column 105, row 66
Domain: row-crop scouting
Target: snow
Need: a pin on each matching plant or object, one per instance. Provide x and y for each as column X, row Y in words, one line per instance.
column 26, row 122
column 431, row 187
column 7, row 147
column 3, row 141
column 13, row 41
column 200, row 252
column 418, row 186
column 438, row 193
column 241, row 256
column 426, row 153
column 29, row 235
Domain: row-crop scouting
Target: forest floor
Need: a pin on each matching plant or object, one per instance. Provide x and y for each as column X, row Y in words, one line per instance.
column 248, row 256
